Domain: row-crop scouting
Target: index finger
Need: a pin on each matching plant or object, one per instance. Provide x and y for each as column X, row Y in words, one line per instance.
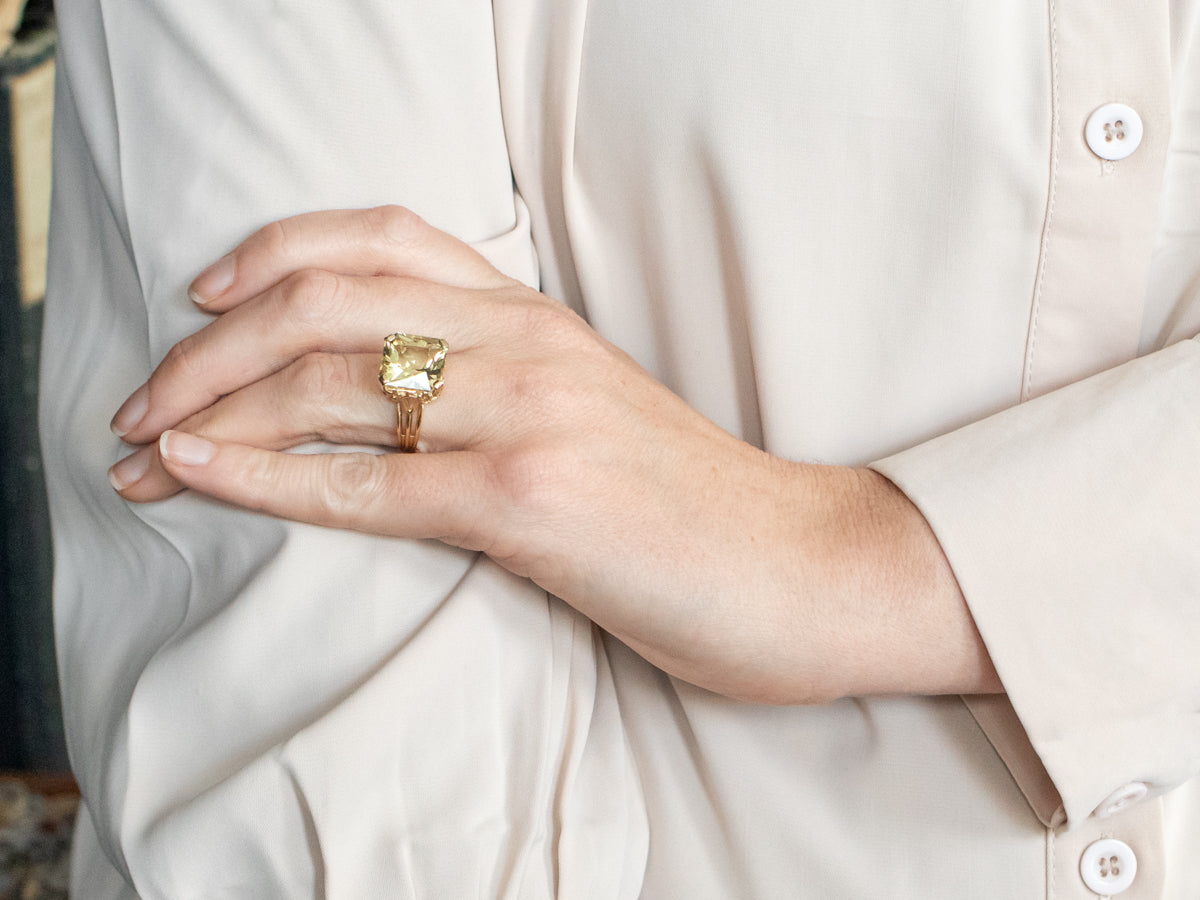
column 386, row 240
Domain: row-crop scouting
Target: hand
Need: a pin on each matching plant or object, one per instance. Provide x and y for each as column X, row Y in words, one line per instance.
column 552, row 452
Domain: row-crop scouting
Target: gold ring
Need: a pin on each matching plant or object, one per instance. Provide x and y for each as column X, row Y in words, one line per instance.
column 411, row 374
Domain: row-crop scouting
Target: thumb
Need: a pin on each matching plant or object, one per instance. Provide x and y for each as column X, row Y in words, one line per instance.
column 443, row 496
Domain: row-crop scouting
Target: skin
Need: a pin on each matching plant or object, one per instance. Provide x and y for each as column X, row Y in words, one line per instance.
column 554, row 453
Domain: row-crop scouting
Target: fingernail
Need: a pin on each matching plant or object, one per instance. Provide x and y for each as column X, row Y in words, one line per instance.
column 213, row 281
column 177, row 446
column 129, row 470
column 131, row 412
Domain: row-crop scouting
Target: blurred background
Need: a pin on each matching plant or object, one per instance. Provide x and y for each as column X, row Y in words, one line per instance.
column 31, row 735
column 38, row 798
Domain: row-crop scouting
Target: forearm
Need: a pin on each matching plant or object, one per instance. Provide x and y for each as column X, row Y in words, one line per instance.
column 839, row 588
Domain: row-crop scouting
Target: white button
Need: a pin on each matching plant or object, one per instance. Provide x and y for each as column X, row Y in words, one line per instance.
column 1120, row 799
column 1113, row 131
column 1108, row 867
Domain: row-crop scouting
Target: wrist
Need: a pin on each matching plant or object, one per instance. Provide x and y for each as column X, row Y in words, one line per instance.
column 875, row 588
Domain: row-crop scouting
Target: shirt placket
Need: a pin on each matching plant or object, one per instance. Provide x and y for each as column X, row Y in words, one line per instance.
column 1111, row 125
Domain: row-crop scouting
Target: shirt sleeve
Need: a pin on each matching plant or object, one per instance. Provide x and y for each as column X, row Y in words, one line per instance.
column 262, row 708
column 1072, row 523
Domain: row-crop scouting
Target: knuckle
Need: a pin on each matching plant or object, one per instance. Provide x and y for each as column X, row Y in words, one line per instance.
column 312, row 297
column 529, row 479
column 547, row 321
column 321, row 394
column 270, row 241
column 260, row 480
column 398, row 225
column 326, row 376
column 548, row 380
column 185, row 359
column 533, row 389
column 348, row 482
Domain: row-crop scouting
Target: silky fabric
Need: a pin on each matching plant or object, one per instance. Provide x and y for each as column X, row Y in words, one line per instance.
column 846, row 233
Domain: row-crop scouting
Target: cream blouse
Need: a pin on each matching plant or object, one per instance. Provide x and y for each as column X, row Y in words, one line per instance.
column 853, row 233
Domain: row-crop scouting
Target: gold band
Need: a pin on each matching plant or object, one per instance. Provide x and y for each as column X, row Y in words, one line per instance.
column 408, row 422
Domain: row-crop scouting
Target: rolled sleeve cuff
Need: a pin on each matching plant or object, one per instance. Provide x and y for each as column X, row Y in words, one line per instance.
column 1071, row 523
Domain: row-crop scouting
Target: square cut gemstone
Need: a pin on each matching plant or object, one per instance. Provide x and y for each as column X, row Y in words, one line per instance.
column 412, row 366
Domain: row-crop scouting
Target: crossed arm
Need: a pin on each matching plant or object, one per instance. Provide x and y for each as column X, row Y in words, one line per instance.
column 552, row 452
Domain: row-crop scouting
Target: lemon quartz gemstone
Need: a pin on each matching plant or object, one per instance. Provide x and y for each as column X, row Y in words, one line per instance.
column 412, row 366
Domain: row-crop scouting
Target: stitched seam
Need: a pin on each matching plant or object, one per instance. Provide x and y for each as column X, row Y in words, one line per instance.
column 1043, row 252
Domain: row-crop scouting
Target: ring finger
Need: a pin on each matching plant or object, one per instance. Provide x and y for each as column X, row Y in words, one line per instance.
column 327, row 397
